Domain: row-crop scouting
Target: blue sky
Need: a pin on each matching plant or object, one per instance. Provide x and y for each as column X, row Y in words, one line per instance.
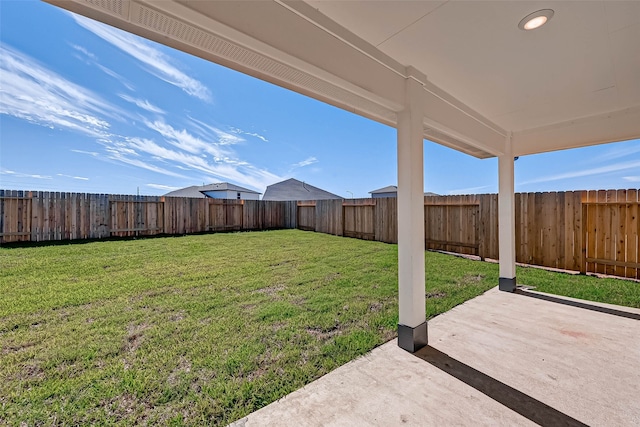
column 88, row 108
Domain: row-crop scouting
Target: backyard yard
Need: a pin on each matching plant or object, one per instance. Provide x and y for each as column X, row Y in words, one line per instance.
column 204, row 329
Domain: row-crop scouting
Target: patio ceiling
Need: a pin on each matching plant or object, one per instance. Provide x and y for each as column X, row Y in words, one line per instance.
column 573, row 82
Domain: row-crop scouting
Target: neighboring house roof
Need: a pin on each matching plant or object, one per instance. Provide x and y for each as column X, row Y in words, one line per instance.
column 225, row 186
column 192, row 191
column 292, row 189
column 387, row 189
column 394, row 189
column 197, row 191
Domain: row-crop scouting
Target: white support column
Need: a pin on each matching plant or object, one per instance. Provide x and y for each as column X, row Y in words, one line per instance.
column 506, row 218
column 412, row 327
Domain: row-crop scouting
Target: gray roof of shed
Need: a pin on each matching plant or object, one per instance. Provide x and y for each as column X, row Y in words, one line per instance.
column 292, row 189
column 197, row 191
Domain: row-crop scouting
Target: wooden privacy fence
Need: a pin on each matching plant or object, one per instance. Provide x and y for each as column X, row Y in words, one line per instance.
column 44, row 216
column 587, row 231
column 611, row 233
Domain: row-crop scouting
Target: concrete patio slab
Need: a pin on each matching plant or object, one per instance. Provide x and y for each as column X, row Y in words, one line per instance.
column 500, row 359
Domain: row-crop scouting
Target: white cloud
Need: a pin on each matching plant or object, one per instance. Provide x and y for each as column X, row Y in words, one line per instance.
column 253, row 134
column 621, row 150
column 81, row 178
column 223, row 138
column 187, row 142
column 23, row 175
column 34, row 93
column 616, row 167
column 162, row 187
column 156, row 61
column 632, row 178
column 226, row 168
column 118, row 77
column 142, row 103
column 90, row 153
column 85, row 52
column 209, row 155
column 306, row 162
column 122, row 153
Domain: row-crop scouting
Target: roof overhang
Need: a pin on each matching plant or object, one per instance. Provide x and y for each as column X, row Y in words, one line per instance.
column 333, row 52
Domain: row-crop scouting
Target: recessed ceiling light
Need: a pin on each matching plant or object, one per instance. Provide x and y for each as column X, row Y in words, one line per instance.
column 535, row 19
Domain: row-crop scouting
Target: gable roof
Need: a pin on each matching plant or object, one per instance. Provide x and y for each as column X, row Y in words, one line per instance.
column 192, row 192
column 387, row 189
column 225, row 186
column 292, row 189
column 197, row 191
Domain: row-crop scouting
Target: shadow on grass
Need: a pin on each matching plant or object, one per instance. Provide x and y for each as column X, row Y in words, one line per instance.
column 45, row 243
column 579, row 304
column 525, row 405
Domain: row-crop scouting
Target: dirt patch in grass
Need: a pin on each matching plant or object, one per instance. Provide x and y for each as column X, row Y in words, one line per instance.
column 17, row 347
column 205, row 321
column 126, row 406
column 469, row 279
column 271, row 291
column 176, row 317
column 276, row 326
column 331, row 277
column 376, row 306
column 432, row 295
column 135, row 337
column 28, row 372
column 266, row 362
column 298, row 300
column 184, row 367
column 324, row 334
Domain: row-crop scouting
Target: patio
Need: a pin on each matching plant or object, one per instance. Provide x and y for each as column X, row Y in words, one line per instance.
column 499, row 359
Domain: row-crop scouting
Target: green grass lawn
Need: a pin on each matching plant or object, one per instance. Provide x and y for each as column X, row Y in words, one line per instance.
column 202, row 330
column 609, row 290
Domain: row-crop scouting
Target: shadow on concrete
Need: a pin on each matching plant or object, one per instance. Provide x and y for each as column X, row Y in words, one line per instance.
column 536, row 411
column 579, row 304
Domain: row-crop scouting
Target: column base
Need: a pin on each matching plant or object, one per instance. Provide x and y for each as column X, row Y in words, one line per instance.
column 412, row 339
column 507, row 285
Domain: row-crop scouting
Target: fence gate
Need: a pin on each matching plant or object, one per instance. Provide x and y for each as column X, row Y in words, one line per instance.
column 306, row 216
column 611, row 238
column 225, row 215
column 15, row 216
column 131, row 216
column 452, row 227
column 359, row 219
